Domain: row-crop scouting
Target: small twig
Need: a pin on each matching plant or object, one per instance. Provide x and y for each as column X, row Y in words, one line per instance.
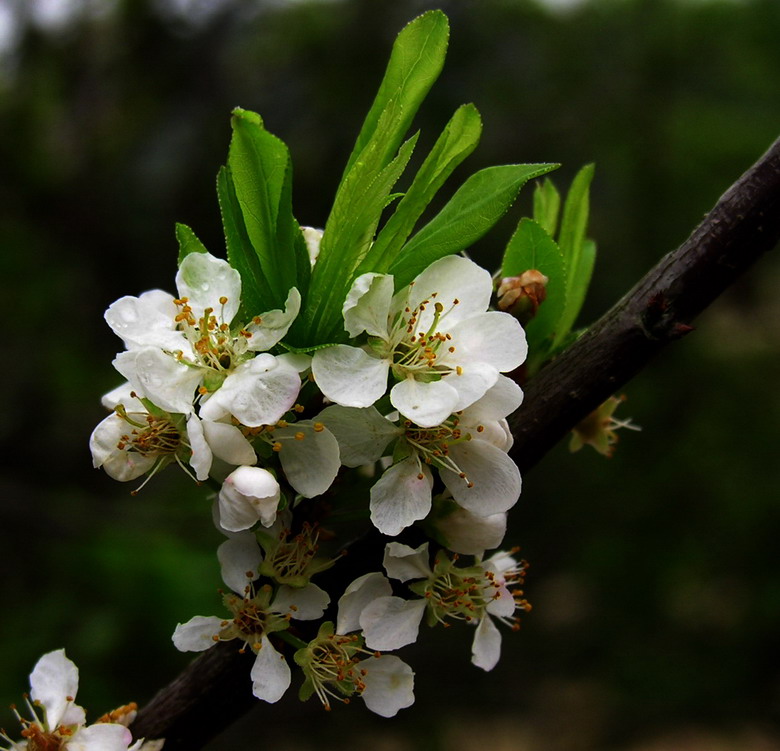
column 745, row 223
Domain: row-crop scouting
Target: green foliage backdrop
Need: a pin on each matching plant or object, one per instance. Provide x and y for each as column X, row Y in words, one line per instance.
column 655, row 575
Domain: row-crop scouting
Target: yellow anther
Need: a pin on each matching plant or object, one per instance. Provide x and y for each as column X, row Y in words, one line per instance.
column 459, row 370
column 318, row 427
column 299, row 436
column 298, row 408
column 223, row 300
column 277, row 447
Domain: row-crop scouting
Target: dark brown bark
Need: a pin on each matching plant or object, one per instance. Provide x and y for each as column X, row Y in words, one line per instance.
column 745, row 223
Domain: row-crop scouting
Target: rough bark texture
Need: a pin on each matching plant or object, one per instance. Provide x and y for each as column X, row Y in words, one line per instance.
column 745, row 223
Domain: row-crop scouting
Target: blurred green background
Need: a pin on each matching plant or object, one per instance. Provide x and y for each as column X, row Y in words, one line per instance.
column 655, row 575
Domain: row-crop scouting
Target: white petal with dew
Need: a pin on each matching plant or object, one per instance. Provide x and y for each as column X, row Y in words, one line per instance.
column 53, row 679
column 302, row 603
column 257, row 392
column 425, row 404
column 274, row 324
column 495, row 478
column 147, row 320
column 203, row 280
column 197, row 634
column 404, row 563
column 492, row 337
column 363, row 434
column 228, row 443
column 400, row 497
column 486, row 647
column 103, row 736
column 350, row 376
column 391, row 622
column 311, row 462
column 239, row 558
column 367, row 305
column 364, row 590
column 270, row 673
column 389, row 685
column 451, row 278
column 170, row 384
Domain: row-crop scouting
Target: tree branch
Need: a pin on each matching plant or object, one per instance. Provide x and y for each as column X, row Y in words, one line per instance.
column 745, row 223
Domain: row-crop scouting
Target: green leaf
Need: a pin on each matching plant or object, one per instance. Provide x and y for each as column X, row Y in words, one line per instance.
column 571, row 240
column 532, row 248
column 188, row 242
column 547, row 204
column 416, row 60
column 457, row 141
column 255, row 290
column 476, row 206
column 347, row 238
column 261, row 172
column 577, row 288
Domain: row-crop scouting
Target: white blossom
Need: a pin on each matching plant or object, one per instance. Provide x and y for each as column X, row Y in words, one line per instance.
column 256, row 614
column 442, row 345
column 58, row 722
column 188, row 348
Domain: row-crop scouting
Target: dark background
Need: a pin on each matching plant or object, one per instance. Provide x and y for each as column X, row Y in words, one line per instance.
column 655, row 575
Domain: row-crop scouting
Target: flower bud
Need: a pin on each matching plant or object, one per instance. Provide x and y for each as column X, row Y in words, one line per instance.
column 522, row 295
column 248, row 494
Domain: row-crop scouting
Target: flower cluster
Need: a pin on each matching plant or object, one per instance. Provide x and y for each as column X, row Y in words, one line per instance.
column 57, row 722
column 416, row 400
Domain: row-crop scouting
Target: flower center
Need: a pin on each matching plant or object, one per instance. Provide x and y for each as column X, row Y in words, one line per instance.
column 291, row 559
column 331, row 664
column 152, row 435
column 422, row 353
column 252, row 617
column 214, row 346
column 432, row 445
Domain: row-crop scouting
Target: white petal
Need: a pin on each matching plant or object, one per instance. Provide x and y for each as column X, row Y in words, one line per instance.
column 389, row 685
column 367, row 305
column 503, row 398
column 170, row 384
column 472, row 382
column 248, row 494
column 257, row 392
column 502, row 604
column 147, row 320
column 203, row 280
column 53, row 679
column 486, row 647
column 196, row 635
column 493, row 337
column 102, row 736
column 302, row 603
column 296, row 360
column 400, row 497
column 364, row 590
column 349, row 376
column 313, row 238
column 495, row 477
column 426, row 404
column 119, row 464
column 227, row 442
column 451, row 278
column 122, row 395
column 404, row 563
column 274, row 324
column 201, row 457
column 270, row 673
column 362, row 434
column 391, row 622
column 310, row 463
column 239, row 558
column 470, row 534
